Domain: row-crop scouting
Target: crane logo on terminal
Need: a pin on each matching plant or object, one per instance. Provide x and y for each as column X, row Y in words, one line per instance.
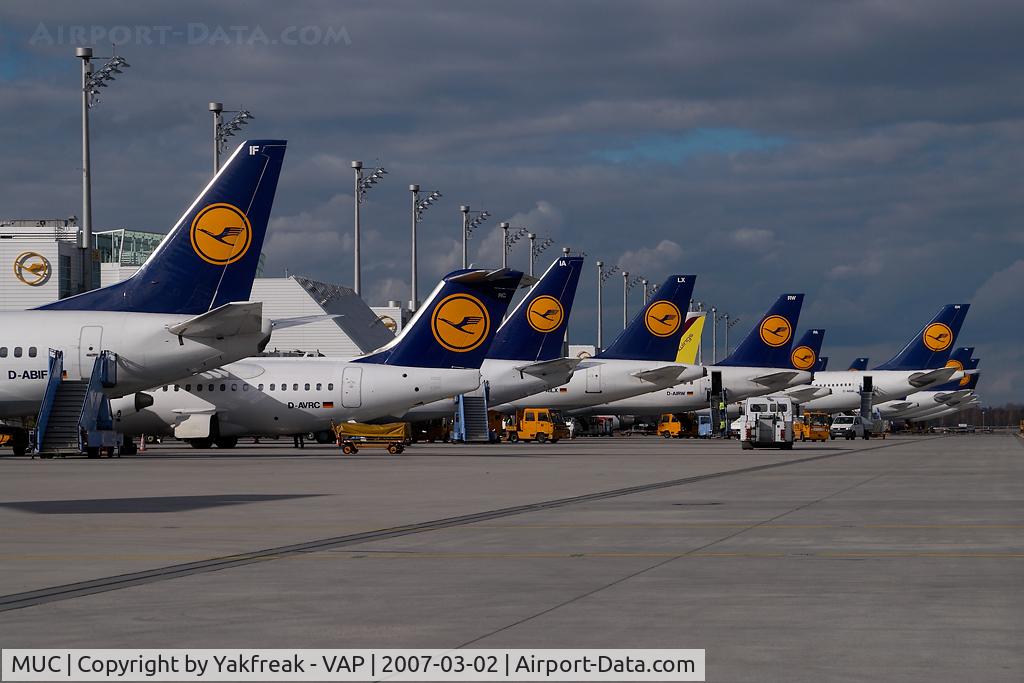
column 32, row 268
column 460, row 322
column 937, row 337
column 803, row 358
column 662, row 318
column 775, row 331
column 545, row 313
column 221, row 234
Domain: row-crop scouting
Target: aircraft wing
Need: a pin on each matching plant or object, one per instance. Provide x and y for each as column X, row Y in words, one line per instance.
column 546, row 369
column 244, row 317
column 931, row 377
column 901, row 406
column 807, row 392
column 662, row 375
column 775, row 379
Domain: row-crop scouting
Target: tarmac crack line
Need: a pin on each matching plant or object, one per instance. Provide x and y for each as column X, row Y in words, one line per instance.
column 112, row 583
column 691, row 552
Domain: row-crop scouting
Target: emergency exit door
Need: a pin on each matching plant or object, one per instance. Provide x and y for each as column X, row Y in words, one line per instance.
column 594, row 379
column 90, row 343
column 351, row 388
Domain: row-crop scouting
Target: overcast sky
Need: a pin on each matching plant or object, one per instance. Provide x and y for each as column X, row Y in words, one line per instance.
column 865, row 153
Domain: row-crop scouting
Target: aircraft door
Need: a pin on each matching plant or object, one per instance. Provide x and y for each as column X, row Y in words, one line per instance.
column 351, row 388
column 90, row 343
column 594, row 379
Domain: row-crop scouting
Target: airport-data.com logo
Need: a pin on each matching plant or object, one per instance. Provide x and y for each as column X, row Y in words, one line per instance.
column 192, row 33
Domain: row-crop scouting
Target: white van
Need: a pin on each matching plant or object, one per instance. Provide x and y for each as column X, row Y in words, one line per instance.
column 849, row 427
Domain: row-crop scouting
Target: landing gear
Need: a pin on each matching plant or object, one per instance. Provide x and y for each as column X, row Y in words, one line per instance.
column 226, row 441
column 19, row 442
column 200, row 443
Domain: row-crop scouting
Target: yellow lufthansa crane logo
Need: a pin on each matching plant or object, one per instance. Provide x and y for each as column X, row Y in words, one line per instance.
column 957, row 365
column 460, row 322
column 937, row 337
column 221, row 234
column 775, row 330
column 662, row 318
column 545, row 313
column 32, row 268
column 803, row 358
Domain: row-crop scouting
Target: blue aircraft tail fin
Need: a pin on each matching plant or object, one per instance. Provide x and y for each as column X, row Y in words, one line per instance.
column 210, row 256
column 822, row 365
column 859, row 364
column 805, row 352
column 930, row 348
column 768, row 344
column 534, row 330
column 961, row 360
column 456, row 325
column 654, row 332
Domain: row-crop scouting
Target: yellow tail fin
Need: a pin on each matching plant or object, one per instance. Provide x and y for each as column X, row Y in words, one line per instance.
column 689, row 343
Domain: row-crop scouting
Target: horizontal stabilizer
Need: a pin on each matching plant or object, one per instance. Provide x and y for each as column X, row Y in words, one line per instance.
column 224, row 321
column 953, row 396
column 775, row 379
column 933, row 377
column 807, row 392
column 663, row 375
column 282, row 323
column 546, row 369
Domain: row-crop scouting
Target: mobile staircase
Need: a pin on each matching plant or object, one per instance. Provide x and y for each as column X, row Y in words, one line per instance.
column 75, row 415
column 471, row 425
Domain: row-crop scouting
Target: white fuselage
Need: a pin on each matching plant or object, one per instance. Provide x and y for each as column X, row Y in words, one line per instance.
column 888, row 385
column 505, row 383
column 147, row 353
column 275, row 396
column 738, row 383
column 601, row 380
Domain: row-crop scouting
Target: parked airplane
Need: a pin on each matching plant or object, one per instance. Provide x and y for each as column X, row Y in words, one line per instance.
column 918, row 366
column 940, row 397
column 526, row 356
column 438, row 354
column 637, row 361
column 761, row 364
column 184, row 311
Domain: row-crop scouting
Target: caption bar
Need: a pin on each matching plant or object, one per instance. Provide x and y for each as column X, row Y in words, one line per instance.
column 351, row 665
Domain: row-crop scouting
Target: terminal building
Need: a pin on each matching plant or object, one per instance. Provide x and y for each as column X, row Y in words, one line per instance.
column 41, row 262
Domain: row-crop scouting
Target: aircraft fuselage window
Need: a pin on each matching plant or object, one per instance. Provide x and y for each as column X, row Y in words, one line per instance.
column 17, row 352
column 199, row 387
column 32, row 352
column 330, row 387
column 307, row 387
column 319, row 386
column 295, row 387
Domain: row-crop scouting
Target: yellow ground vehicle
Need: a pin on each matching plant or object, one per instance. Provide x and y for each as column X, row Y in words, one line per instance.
column 353, row 435
column 811, row 426
column 535, row 424
column 673, row 426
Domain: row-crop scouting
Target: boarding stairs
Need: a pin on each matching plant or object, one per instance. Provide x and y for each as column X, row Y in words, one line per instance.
column 75, row 415
column 471, row 425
